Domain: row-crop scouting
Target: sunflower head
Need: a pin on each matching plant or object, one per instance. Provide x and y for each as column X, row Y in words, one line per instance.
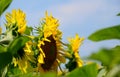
column 75, row 61
column 16, row 21
column 49, row 44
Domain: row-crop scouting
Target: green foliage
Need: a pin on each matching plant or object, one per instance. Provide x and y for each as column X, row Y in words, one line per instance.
column 89, row 70
column 32, row 74
column 3, row 48
column 108, row 57
column 28, row 30
column 106, row 34
column 49, row 74
column 17, row 44
column 5, row 58
column 13, row 71
column 115, row 72
column 4, row 5
column 110, row 60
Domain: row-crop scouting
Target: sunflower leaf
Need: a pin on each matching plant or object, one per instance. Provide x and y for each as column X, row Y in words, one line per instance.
column 17, row 44
column 89, row 70
column 4, row 4
column 28, row 30
column 108, row 57
column 106, row 34
column 33, row 74
column 3, row 48
column 5, row 58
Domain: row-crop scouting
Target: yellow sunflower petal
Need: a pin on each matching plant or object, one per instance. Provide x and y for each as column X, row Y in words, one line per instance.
column 22, row 29
column 75, row 42
column 79, row 63
column 15, row 62
column 22, row 63
column 16, row 17
column 78, row 59
column 41, row 59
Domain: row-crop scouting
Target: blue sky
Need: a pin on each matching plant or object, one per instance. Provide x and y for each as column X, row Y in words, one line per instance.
column 75, row 16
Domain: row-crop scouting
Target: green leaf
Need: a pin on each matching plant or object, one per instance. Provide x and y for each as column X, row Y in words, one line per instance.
column 102, row 72
column 3, row 48
column 106, row 34
column 28, row 30
column 4, row 5
column 108, row 57
column 17, row 44
column 5, row 58
column 13, row 71
column 115, row 72
column 89, row 70
column 118, row 14
column 48, row 74
column 35, row 74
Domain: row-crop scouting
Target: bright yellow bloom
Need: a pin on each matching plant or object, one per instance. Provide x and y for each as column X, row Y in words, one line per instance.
column 16, row 19
column 41, row 59
column 25, row 55
column 50, row 26
column 75, row 44
column 78, row 59
column 50, row 45
column 42, row 54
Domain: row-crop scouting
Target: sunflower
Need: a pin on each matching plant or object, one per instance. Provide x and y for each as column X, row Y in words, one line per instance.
column 24, row 56
column 16, row 20
column 49, row 45
column 75, row 44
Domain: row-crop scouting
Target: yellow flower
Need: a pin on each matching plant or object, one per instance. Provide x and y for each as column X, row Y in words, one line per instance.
column 75, row 44
column 50, row 45
column 78, row 59
column 50, row 26
column 17, row 20
column 24, row 56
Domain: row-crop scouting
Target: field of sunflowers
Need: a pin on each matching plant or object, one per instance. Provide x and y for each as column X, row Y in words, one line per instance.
column 40, row 52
